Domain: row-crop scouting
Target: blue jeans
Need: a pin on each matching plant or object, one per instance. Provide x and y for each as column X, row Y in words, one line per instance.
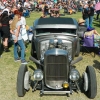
column 45, row 13
column 87, row 22
column 22, row 47
column 90, row 21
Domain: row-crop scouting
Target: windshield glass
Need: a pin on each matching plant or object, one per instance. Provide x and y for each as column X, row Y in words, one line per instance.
column 48, row 31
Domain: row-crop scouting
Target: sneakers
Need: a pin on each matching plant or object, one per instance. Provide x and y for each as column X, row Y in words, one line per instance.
column 24, row 62
column 17, row 59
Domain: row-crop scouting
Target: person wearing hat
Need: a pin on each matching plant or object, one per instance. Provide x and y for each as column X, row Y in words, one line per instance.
column 82, row 27
column 91, row 31
column 87, row 30
column 81, row 21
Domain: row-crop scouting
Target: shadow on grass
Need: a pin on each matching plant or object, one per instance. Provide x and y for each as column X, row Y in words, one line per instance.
column 31, row 67
column 96, row 24
column 96, row 65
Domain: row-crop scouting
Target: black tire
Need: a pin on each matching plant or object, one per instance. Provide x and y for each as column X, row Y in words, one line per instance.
column 78, row 49
column 92, row 82
column 20, row 80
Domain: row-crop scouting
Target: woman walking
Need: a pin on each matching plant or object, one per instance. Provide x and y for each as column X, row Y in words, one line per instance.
column 16, row 35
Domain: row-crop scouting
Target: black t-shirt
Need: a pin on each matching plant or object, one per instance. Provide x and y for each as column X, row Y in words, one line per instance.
column 85, row 13
column 45, row 8
column 91, row 11
column 5, row 20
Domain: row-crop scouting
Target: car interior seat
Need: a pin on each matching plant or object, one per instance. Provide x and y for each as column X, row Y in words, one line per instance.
column 81, row 30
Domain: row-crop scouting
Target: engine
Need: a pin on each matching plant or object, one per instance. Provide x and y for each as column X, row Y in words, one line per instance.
column 56, row 55
column 56, row 43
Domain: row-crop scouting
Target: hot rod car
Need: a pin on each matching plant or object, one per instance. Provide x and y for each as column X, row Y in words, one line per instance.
column 54, row 45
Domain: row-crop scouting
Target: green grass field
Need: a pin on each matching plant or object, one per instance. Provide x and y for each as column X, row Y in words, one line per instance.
column 9, row 70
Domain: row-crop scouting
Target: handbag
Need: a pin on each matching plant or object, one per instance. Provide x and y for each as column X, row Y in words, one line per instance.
column 24, row 34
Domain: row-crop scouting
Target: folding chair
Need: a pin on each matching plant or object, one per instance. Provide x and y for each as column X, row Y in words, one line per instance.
column 88, row 45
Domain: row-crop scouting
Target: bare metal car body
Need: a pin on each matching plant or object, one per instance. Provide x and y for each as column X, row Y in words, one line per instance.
column 54, row 46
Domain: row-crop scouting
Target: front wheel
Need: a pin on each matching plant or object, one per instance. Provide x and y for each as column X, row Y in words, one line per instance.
column 90, row 82
column 22, row 80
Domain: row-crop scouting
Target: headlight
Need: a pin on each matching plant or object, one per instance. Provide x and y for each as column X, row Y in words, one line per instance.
column 38, row 75
column 74, row 75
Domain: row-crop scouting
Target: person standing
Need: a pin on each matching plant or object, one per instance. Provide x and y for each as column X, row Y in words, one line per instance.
column 5, row 30
column 15, row 29
column 46, row 9
column 97, row 8
column 91, row 13
column 8, row 9
column 85, row 15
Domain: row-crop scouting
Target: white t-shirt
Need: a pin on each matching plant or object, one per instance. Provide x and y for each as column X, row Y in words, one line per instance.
column 23, row 21
column 14, row 36
column 26, row 4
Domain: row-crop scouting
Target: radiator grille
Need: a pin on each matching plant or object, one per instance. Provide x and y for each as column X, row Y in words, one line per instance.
column 56, row 68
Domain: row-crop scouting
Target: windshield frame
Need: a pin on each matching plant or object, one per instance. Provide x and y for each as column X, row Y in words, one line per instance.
column 48, row 31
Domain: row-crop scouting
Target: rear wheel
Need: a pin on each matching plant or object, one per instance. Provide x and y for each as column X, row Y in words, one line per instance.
column 22, row 80
column 91, row 89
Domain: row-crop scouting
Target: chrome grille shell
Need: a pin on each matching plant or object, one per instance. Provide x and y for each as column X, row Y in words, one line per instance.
column 56, row 68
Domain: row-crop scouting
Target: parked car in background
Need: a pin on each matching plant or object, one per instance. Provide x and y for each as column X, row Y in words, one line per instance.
column 54, row 45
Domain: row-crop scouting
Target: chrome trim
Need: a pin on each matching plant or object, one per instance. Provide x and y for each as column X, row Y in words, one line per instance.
column 55, row 92
column 55, row 34
column 56, row 26
column 57, row 84
column 56, row 51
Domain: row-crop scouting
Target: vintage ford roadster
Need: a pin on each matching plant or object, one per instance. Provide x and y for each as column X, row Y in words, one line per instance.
column 55, row 44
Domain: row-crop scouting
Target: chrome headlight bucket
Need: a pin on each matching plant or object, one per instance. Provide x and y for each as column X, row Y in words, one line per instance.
column 38, row 75
column 74, row 75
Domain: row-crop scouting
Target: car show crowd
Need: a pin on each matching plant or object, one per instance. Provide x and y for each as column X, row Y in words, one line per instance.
column 11, row 11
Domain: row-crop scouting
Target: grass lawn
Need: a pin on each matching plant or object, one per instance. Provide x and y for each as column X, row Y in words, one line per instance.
column 9, row 70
